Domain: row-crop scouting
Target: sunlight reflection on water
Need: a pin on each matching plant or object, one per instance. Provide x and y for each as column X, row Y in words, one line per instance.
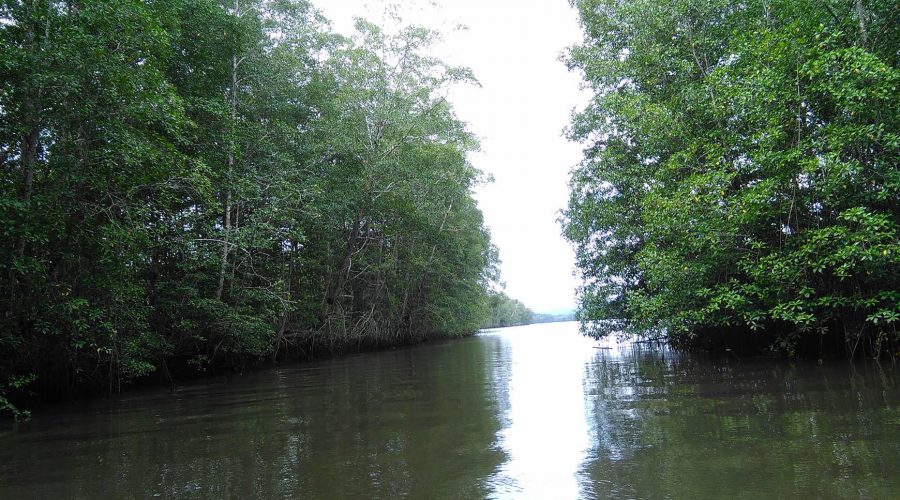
column 546, row 436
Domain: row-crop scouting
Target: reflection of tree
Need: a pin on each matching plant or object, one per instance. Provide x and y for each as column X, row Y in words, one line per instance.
column 663, row 425
column 613, row 383
column 411, row 423
column 500, row 361
column 416, row 423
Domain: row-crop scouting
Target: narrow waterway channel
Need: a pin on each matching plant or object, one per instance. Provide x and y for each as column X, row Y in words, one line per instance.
column 529, row 412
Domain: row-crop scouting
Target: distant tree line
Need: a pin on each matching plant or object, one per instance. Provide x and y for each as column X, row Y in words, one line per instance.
column 740, row 180
column 554, row 318
column 505, row 311
column 189, row 185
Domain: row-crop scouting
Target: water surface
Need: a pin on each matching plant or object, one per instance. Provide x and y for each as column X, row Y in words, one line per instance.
column 529, row 412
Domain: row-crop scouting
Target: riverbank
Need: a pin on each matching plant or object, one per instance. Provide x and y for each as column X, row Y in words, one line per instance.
column 175, row 372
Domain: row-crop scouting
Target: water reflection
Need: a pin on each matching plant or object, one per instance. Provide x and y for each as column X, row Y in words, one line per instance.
column 409, row 423
column 545, row 433
column 664, row 425
column 533, row 412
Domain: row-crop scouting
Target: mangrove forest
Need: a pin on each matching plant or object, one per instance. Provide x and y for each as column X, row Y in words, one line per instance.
column 740, row 186
column 189, row 185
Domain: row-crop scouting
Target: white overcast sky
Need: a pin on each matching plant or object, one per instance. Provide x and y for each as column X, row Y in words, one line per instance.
column 518, row 113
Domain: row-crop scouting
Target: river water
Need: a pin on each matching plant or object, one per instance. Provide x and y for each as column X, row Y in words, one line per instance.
column 528, row 412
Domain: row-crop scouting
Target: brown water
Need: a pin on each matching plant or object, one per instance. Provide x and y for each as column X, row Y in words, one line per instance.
column 530, row 412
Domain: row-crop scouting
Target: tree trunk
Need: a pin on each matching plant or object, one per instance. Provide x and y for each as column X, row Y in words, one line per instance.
column 229, row 170
column 338, row 279
column 28, row 149
column 861, row 15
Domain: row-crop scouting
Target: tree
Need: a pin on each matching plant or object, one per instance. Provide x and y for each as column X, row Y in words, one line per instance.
column 194, row 185
column 740, row 172
column 403, row 243
column 90, row 131
column 505, row 311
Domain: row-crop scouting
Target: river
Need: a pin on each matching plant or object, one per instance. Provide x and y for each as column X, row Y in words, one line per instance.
column 527, row 412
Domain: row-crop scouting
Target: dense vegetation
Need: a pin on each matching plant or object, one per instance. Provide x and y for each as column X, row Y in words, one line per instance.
column 197, row 184
column 740, row 181
column 505, row 311
column 554, row 318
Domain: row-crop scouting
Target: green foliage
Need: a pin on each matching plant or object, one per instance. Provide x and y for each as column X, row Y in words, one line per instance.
column 740, row 171
column 505, row 311
column 403, row 244
column 196, row 184
column 15, row 383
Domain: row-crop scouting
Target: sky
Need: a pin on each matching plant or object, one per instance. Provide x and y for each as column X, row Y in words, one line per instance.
column 519, row 113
